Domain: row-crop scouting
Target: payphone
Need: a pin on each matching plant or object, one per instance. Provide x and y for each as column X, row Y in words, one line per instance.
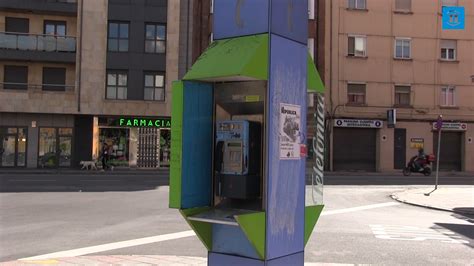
column 237, row 159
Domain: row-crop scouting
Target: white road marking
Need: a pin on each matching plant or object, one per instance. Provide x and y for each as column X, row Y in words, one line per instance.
column 411, row 233
column 112, row 246
column 31, row 180
column 161, row 238
column 360, row 208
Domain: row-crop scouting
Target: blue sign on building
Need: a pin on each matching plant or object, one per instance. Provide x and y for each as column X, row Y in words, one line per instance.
column 453, row 18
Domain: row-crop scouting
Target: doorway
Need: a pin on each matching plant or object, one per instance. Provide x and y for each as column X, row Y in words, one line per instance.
column 13, row 147
column 450, row 158
column 400, row 148
column 55, row 147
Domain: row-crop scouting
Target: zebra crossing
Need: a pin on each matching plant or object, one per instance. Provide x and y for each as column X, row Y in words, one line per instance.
column 412, row 233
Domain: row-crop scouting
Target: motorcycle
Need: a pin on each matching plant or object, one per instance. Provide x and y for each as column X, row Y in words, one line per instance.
column 425, row 164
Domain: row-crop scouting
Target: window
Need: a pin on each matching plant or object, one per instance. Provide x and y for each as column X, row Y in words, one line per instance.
column 448, row 50
column 357, row 46
column 449, row 2
column 356, row 93
column 56, row 28
column 15, row 77
column 310, row 101
column 448, row 96
column 403, row 5
column 54, row 79
column 118, row 37
column 20, row 25
column 154, row 87
column 403, row 48
column 116, row 85
column 311, row 10
column 357, row 4
column 311, row 47
column 402, row 95
column 155, row 38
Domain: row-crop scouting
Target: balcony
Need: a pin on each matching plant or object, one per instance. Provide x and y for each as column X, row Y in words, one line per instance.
column 13, row 86
column 33, row 47
column 57, row 7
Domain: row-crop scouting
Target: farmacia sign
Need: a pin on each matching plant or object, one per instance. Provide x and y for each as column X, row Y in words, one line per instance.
column 144, row 122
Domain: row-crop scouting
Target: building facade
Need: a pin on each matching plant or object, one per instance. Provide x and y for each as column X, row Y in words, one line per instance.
column 77, row 74
column 394, row 54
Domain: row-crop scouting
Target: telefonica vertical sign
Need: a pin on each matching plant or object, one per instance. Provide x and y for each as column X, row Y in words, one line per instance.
column 453, row 18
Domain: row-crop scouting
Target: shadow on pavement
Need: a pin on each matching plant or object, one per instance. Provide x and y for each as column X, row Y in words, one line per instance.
column 465, row 230
column 391, row 180
column 465, row 210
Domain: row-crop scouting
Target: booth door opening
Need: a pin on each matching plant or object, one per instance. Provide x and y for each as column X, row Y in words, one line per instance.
column 451, row 154
column 354, row 149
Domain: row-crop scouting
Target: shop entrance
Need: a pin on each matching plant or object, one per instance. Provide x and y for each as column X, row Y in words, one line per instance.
column 354, row 149
column 148, row 147
column 451, row 153
column 400, row 148
column 12, row 147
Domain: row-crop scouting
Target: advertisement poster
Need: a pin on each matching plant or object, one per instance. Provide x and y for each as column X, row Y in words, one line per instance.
column 290, row 134
column 417, row 143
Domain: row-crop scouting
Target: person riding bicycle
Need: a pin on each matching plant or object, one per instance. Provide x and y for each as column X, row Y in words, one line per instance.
column 421, row 156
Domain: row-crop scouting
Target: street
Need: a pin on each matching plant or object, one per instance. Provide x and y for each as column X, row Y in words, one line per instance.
column 359, row 225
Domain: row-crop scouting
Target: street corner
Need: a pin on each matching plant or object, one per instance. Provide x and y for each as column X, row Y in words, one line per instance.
column 453, row 199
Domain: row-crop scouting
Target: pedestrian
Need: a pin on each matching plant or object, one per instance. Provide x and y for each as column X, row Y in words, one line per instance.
column 105, row 156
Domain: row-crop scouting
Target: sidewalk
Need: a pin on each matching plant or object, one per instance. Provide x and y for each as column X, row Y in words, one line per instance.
column 447, row 198
column 131, row 260
column 75, row 171
column 391, row 173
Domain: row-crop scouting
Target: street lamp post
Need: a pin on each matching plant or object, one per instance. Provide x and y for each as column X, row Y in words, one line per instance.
column 439, row 126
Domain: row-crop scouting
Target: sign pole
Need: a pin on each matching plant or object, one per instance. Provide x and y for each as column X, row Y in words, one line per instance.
column 439, row 124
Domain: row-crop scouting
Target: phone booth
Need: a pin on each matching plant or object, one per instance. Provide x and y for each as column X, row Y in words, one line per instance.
column 238, row 159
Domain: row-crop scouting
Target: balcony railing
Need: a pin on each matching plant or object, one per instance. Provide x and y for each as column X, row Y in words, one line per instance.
column 14, row 86
column 36, row 42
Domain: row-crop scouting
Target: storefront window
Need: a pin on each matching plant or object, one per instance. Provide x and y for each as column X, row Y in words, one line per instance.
column 165, row 147
column 55, row 147
column 47, row 148
column 117, row 139
column 12, row 146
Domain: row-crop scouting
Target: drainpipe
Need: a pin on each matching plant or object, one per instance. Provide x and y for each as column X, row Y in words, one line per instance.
column 79, row 62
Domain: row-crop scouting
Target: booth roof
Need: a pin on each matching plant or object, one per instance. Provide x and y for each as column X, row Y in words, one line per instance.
column 242, row 59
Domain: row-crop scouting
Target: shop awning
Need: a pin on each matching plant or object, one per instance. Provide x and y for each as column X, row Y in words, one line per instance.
column 241, row 59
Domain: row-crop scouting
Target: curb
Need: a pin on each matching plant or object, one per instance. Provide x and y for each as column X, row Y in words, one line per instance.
column 395, row 197
column 85, row 172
